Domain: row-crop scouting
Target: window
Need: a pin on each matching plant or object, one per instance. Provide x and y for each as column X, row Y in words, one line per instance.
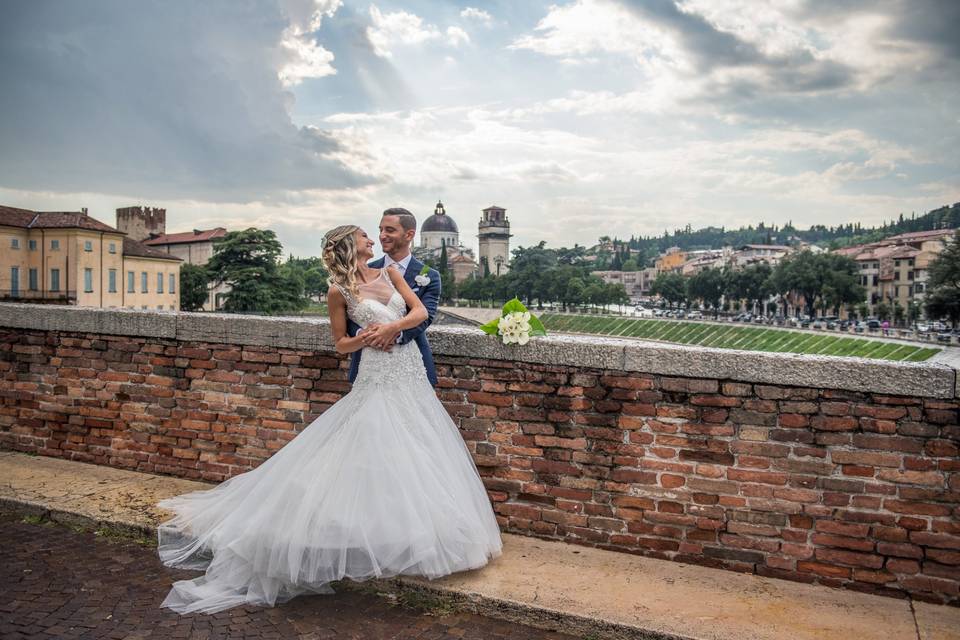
column 173, row 283
column 910, row 275
column 15, row 281
column 32, row 278
column 113, row 247
column 875, row 280
column 32, row 244
column 88, row 245
column 54, row 245
column 88, row 280
column 131, row 282
column 896, row 263
column 159, row 283
column 112, row 274
column 14, row 243
column 54, row 279
column 910, row 262
column 159, row 307
column 171, row 308
column 144, row 306
column 143, row 282
column 918, row 287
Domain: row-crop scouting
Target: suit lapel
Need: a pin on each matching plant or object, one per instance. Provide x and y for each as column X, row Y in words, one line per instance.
column 413, row 270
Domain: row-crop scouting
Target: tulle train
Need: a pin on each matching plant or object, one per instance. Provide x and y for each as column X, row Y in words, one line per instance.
column 380, row 485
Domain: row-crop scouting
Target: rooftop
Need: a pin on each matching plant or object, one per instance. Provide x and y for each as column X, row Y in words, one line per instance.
column 133, row 248
column 197, row 235
column 26, row 219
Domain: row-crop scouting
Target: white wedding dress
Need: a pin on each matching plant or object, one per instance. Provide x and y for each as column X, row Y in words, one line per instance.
column 380, row 485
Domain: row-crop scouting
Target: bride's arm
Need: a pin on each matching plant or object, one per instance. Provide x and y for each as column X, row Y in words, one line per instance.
column 417, row 312
column 337, row 308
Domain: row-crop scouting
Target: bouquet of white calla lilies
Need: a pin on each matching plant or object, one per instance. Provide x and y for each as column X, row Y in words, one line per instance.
column 515, row 325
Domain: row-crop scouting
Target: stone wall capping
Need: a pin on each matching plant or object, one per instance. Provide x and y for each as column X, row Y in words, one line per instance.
column 926, row 379
column 117, row 322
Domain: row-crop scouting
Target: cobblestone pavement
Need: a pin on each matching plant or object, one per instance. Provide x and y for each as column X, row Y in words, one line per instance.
column 56, row 582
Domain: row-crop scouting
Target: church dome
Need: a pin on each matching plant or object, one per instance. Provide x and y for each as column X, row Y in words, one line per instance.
column 439, row 222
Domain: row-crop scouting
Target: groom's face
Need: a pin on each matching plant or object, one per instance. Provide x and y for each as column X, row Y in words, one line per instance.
column 393, row 237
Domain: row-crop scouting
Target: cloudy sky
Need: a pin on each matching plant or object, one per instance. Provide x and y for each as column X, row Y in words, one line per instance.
column 581, row 117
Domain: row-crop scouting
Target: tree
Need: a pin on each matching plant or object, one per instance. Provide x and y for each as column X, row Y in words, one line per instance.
column 751, row 284
column 708, row 286
column 828, row 278
column 943, row 284
column 247, row 261
column 671, row 287
column 882, row 310
column 193, row 287
column 313, row 273
column 898, row 313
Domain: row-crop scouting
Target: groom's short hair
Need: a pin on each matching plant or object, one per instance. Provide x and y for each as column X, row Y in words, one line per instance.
column 407, row 220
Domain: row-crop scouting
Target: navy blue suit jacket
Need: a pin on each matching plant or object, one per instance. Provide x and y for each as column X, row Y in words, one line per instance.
column 430, row 296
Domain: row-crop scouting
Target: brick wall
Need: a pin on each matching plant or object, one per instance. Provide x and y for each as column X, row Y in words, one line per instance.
column 844, row 488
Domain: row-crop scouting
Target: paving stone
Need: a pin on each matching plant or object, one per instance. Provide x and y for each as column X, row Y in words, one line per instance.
column 56, row 582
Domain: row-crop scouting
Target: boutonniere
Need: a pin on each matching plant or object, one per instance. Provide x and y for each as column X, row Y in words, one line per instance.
column 515, row 324
column 422, row 278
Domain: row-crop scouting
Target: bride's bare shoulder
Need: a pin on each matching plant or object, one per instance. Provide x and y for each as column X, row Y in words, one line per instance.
column 335, row 296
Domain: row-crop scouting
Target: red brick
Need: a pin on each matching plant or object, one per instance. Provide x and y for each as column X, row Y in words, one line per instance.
column 821, row 569
column 868, row 560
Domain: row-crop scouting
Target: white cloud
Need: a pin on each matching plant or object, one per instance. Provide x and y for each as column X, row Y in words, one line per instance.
column 304, row 57
column 307, row 60
column 306, row 16
column 590, row 26
column 397, row 28
column 472, row 13
column 457, row 36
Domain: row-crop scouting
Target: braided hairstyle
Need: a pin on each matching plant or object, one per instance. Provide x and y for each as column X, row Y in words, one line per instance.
column 340, row 257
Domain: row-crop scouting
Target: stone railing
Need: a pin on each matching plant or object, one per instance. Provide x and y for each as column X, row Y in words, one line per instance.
column 839, row 471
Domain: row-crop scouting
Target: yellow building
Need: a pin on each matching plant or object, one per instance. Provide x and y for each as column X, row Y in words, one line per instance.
column 671, row 260
column 71, row 258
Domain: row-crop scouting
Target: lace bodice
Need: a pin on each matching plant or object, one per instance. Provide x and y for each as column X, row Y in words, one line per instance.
column 380, row 302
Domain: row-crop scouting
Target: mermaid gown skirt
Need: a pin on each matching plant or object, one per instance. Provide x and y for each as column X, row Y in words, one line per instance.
column 379, row 485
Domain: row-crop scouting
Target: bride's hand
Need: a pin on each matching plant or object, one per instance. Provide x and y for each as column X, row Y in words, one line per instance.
column 382, row 336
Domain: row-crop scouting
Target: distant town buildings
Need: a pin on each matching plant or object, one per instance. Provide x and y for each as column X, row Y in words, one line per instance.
column 635, row 283
column 149, row 226
column 494, row 234
column 72, row 258
column 895, row 269
column 439, row 232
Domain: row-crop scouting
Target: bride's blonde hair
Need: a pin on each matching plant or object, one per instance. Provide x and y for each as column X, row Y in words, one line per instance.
column 340, row 257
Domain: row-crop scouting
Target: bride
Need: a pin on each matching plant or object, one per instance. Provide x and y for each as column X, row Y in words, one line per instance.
column 381, row 484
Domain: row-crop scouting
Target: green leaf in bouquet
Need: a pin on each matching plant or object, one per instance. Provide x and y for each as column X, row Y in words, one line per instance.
column 425, row 271
column 513, row 306
column 536, row 327
column 491, row 328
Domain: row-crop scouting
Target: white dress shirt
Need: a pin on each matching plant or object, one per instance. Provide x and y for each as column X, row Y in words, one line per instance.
column 401, row 265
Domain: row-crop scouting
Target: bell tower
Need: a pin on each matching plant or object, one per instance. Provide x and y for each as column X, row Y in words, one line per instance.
column 494, row 234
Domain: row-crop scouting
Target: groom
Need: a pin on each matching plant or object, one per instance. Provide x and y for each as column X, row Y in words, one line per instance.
column 397, row 228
